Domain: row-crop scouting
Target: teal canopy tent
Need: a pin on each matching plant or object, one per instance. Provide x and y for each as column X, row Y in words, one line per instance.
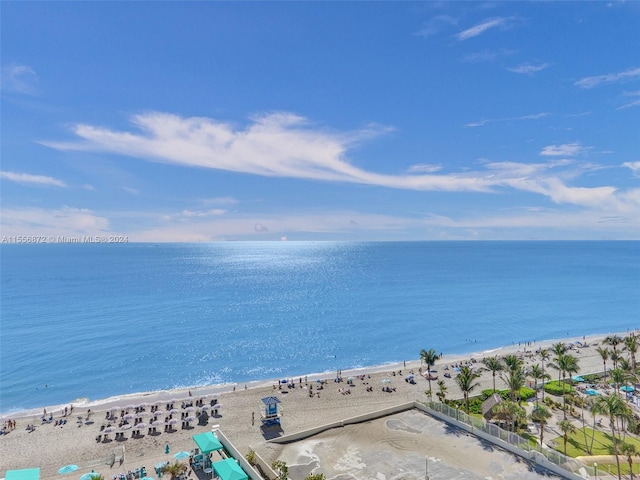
column 228, row 469
column 26, row 474
column 207, row 442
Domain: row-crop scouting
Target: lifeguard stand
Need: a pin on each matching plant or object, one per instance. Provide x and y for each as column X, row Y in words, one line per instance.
column 270, row 414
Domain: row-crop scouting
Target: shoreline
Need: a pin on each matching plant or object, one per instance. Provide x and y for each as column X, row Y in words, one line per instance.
column 182, row 393
column 305, row 405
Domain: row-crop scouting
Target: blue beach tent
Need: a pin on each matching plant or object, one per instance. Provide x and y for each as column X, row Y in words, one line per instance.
column 25, row 474
column 207, row 442
column 228, row 469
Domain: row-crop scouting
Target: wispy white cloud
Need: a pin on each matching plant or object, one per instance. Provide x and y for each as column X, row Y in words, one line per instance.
column 19, row 79
column 482, row 27
column 528, row 68
column 424, row 168
column 633, row 103
column 214, row 212
column 633, row 166
column 435, row 25
column 28, row 179
column 487, row 55
column 52, row 222
column 285, row 145
column 590, row 82
column 132, row 191
column 483, row 122
column 564, row 150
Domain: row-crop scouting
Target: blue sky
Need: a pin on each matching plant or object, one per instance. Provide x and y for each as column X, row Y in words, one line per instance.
column 197, row 121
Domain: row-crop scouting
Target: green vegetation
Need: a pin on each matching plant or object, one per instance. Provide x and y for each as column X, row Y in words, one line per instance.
column 602, row 443
column 524, row 393
column 558, row 388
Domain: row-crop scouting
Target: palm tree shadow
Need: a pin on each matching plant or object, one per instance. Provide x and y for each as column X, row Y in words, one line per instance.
column 453, row 430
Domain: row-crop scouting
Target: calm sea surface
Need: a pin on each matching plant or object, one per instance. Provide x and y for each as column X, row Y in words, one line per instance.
column 95, row 321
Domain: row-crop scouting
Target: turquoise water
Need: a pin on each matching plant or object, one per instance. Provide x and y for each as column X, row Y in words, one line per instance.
column 91, row 320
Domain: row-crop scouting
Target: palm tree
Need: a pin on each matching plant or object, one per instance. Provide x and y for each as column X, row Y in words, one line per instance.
column 442, row 391
column 515, row 380
column 429, row 357
column 604, row 353
column 566, row 365
column 619, row 377
column 175, row 469
column 494, row 365
column 629, row 450
column 615, row 358
column 281, row 469
column 96, row 476
column 615, row 408
column 541, row 416
column 631, row 346
column 614, row 341
column 567, row 428
column 544, row 355
column 510, row 412
column 465, row 380
column 536, row 372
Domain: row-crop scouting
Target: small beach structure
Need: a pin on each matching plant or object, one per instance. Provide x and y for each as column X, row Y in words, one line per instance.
column 207, row 442
column 269, row 411
column 488, row 404
column 24, row 474
column 228, row 469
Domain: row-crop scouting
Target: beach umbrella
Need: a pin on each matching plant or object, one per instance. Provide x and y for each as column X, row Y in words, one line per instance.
column 385, row 380
column 217, row 406
column 141, row 425
column 144, row 405
column 157, row 423
column 125, row 427
column 68, row 469
column 189, row 409
column 88, row 476
column 173, row 421
column 410, row 376
column 142, row 414
column 114, row 408
column 181, row 455
column 206, row 407
column 190, row 419
column 173, row 411
column 129, row 416
column 109, row 430
column 129, row 407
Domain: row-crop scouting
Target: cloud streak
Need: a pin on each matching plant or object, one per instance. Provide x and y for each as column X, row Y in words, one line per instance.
column 481, row 28
column 590, row 82
column 483, row 122
column 286, row 145
column 528, row 68
column 28, row 179
column 19, row 79
column 564, row 150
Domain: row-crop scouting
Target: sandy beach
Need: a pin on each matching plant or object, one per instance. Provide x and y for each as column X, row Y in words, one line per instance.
column 50, row 447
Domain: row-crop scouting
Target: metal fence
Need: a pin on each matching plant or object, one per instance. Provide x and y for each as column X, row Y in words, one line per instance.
column 529, row 450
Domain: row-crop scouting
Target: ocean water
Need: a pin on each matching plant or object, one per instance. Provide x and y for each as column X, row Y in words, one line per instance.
column 95, row 320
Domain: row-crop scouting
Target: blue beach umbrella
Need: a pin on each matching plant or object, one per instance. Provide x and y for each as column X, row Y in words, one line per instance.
column 181, row 455
column 627, row 388
column 88, row 476
column 68, row 469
